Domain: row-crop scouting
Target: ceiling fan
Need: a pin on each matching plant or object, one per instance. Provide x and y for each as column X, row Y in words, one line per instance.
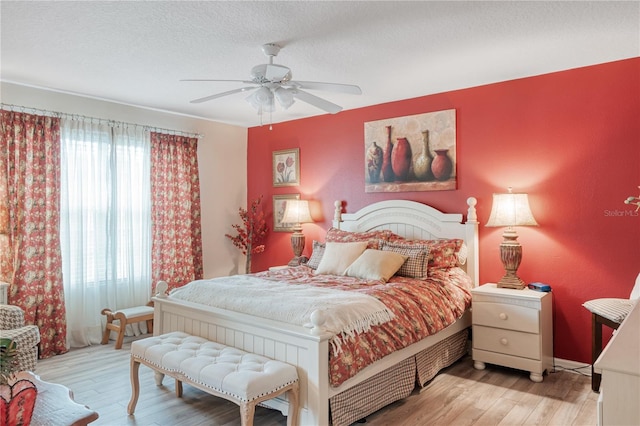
column 270, row 82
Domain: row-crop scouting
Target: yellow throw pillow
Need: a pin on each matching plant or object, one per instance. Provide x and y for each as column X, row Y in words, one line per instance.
column 376, row 265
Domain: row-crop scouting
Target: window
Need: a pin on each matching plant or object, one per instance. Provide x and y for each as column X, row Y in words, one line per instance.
column 105, row 221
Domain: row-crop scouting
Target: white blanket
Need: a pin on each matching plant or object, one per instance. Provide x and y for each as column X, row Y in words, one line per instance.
column 347, row 312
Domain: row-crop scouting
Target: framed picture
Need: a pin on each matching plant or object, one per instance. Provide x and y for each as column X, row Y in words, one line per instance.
column 286, row 167
column 279, row 204
column 412, row 153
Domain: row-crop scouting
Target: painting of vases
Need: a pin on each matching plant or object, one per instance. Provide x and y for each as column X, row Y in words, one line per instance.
column 411, row 153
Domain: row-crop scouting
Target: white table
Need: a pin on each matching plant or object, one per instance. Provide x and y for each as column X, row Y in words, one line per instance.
column 619, row 364
column 55, row 406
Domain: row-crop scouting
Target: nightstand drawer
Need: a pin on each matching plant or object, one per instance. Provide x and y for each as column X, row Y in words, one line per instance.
column 511, row 317
column 506, row 342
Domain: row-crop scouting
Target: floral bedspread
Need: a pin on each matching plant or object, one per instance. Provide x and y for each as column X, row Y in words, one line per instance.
column 421, row 308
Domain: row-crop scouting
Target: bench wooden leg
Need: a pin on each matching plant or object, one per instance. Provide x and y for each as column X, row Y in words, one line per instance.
column 293, row 396
column 135, row 386
column 158, row 377
column 247, row 412
column 123, row 326
column 178, row 387
column 107, row 330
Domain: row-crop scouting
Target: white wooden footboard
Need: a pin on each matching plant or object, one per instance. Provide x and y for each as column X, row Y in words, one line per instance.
column 284, row 342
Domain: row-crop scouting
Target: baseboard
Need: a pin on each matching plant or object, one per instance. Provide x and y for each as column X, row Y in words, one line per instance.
column 572, row 366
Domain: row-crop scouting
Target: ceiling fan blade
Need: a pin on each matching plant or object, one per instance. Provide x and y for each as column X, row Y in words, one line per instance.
column 316, row 101
column 330, row 87
column 219, row 95
column 274, row 72
column 208, row 79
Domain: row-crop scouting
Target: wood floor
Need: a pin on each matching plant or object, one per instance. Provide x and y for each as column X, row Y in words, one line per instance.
column 460, row 395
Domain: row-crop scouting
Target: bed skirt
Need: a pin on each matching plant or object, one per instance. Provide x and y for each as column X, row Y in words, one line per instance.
column 396, row 382
column 441, row 355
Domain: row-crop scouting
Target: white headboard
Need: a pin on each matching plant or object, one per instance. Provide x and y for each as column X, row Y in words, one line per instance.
column 414, row 220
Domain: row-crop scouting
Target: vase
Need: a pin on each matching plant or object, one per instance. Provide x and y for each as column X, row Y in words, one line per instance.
column 374, row 162
column 401, row 159
column 441, row 167
column 387, row 169
column 422, row 162
column 17, row 401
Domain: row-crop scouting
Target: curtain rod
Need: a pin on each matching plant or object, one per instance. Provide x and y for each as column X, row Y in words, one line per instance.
column 30, row 110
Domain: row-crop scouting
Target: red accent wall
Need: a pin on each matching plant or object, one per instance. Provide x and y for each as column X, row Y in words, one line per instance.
column 570, row 139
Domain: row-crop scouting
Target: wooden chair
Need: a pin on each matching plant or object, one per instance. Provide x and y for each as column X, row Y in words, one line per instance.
column 610, row 312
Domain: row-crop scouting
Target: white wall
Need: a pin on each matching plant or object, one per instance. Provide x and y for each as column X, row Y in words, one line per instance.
column 222, row 159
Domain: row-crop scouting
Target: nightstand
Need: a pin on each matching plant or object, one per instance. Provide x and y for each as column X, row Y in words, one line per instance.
column 513, row 328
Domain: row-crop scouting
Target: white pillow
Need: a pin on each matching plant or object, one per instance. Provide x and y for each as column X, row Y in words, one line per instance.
column 338, row 256
column 376, row 265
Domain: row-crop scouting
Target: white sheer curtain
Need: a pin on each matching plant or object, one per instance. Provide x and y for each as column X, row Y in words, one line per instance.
column 105, row 222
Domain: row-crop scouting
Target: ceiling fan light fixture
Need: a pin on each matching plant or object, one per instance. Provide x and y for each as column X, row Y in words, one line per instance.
column 262, row 100
column 284, row 97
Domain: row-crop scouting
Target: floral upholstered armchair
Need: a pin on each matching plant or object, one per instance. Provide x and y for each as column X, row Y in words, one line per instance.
column 26, row 337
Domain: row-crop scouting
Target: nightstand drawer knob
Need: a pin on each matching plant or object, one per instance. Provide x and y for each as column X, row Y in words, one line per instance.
column 504, row 341
column 503, row 316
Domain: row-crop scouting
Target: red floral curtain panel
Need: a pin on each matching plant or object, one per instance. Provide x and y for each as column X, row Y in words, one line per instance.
column 6, row 266
column 175, row 210
column 30, row 162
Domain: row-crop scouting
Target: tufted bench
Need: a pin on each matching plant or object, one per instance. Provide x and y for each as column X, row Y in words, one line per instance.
column 241, row 377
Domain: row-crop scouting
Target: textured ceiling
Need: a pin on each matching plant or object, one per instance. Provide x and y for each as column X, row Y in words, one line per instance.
column 136, row 52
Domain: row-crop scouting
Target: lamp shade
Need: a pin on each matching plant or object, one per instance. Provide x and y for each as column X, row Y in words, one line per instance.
column 297, row 212
column 511, row 210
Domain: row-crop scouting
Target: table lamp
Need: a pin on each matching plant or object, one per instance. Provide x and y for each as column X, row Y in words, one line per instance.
column 297, row 212
column 511, row 210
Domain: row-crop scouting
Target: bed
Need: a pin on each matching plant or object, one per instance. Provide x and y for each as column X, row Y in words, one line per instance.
column 309, row 346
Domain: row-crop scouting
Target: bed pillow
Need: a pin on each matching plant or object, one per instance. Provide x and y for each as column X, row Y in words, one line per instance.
column 376, row 265
column 443, row 253
column 316, row 254
column 373, row 238
column 338, row 256
column 462, row 253
column 417, row 257
column 396, row 238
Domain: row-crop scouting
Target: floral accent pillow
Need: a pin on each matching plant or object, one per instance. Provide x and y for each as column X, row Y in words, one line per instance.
column 443, row 253
column 335, row 235
column 417, row 253
column 316, row 254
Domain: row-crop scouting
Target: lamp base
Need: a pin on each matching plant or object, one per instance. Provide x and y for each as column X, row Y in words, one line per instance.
column 513, row 282
column 298, row 260
column 511, row 256
column 297, row 244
